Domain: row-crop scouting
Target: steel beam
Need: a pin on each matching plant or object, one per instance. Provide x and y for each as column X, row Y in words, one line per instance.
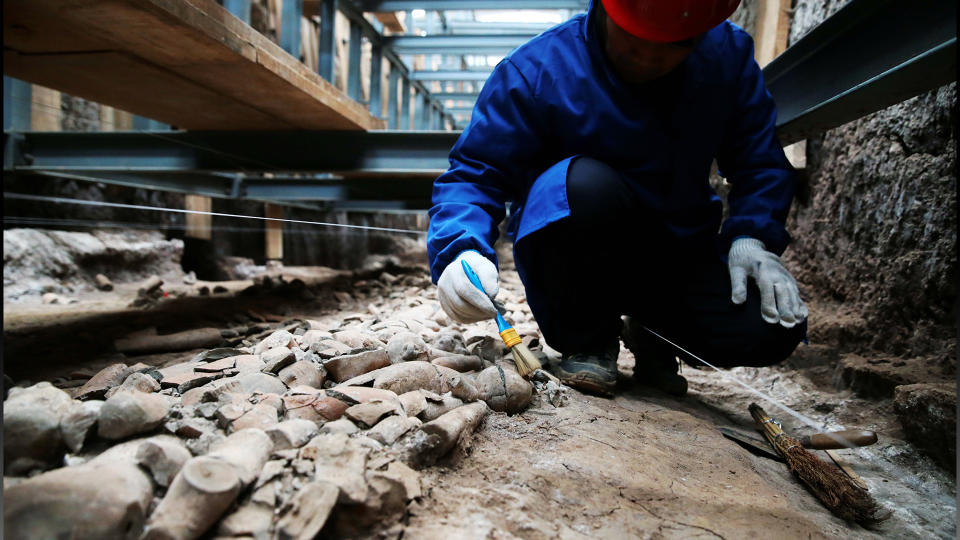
column 353, row 71
column 451, row 44
column 239, row 8
column 376, row 80
column 449, row 75
column 478, row 27
column 440, row 5
column 457, row 96
column 328, row 38
column 867, row 56
column 290, row 14
column 354, row 152
column 17, row 104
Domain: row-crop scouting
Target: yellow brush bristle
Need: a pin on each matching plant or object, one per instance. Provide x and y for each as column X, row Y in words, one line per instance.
column 526, row 362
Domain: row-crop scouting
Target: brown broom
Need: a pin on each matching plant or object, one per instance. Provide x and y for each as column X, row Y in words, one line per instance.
column 835, row 490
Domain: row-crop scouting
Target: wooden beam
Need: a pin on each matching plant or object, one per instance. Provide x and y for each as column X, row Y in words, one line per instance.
column 198, row 225
column 45, row 112
column 188, row 63
column 772, row 30
column 390, row 21
column 274, row 232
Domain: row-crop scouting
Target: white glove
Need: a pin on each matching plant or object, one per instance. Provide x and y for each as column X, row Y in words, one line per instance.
column 460, row 298
column 779, row 298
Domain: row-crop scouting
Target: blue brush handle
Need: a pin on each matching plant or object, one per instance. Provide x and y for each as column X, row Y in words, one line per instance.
column 472, row 276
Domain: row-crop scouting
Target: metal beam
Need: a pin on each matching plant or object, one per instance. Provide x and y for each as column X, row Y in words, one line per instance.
column 449, row 76
column 867, row 56
column 478, row 27
column 239, row 8
column 291, row 11
column 457, row 96
column 439, row 5
column 448, row 44
column 328, row 39
column 353, row 71
column 354, row 152
column 17, row 104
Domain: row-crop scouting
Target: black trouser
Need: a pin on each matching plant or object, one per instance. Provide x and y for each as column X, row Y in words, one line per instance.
column 613, row 257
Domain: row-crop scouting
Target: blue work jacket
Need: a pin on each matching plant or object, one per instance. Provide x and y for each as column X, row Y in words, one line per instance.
column 557, row 97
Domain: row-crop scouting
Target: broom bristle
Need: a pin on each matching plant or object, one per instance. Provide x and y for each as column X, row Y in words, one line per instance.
column 526, row 362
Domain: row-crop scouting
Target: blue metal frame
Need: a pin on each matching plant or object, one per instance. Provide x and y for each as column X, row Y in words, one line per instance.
column 328, row 39
column 439, row 5
column 457, row 44
column 450, row 75
column 376, row 79
column 17, row 104
column 239, row 8
column 290, row 14
column 353, row 72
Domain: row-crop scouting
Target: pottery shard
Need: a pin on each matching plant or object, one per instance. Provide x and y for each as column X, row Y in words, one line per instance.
column 276, row 359
column 185, row 381
column 342, row 425
column 308, row 511
column 302, row 373
column 163, row 458
column 504, row 390
column 280, row 338
column 459, row 362
column 415, row 375
column 314, row 405
column 217, row 365
column 136, row 381
column 361, row 394
column 341, row 461
column 369, row 414
column 31, row 423
column 87, row 501
column 328, row 348
column 437, row 408
column 313, row 336
column 261, row 416
column 246, row 450
column 348, row 366
column 248, row 520
column 292, row 433
column 130, row 412
column 105, row 379
column 451, row 342
column 406, row 346
column 78, row 422
column 441, row 435
column 414, row 402
column 199, row 494
column 246, row 363
column 261, row 382
column 357, row 340
column 391, row 428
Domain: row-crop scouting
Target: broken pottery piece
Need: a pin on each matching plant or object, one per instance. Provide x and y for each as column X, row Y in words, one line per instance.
column 248, row 362
column 217, row 365
column 415, row 375
column 504, row 390
column 438, row 437
column 199, row 494
column 280, row 338
column 246, row 450
column 72, row 502
column 391, row 428
column 276, row 359
column 459, row 362
column 163, row 458
column 31, row 425
column 343, row 426
column 341, row 461
column 261, row 382
column 308, row 510
column 328, row 348
column 348, row 366
column 131, row 412
column 437, row 408
column 136, row 381
column 78, row 422
column 261, row 416
column 358, row 340
column 302, row 373
column 314, row 405
column 105, row 379
column 252, row 520
column 368, row 414
column 406, row 346
column 361, row 394
column 292, row 433
column 414, row 402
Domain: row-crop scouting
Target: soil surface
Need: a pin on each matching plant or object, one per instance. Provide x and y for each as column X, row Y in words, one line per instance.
column 642, row 464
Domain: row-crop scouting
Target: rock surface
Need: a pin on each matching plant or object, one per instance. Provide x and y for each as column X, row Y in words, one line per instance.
column 928, row 413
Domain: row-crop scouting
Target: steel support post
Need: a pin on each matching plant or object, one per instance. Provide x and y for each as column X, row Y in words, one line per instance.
column 141, row 123
column 328, row 39
column 404, row 105
column 292, row 11
column 17, row 101
column 376, row 80
column 353, row 69
column 392, row 104
column 420, row 122
column 239, row 8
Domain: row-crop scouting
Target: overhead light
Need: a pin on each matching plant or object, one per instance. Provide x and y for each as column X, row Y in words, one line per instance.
column 417, row 13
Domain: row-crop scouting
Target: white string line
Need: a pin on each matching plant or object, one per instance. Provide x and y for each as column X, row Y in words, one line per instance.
column 107, row 224
column 26, row 197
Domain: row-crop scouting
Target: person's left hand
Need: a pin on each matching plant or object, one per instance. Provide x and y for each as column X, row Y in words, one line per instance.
column 780, row 300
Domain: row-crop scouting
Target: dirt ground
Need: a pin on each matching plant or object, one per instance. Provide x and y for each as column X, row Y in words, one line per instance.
column 640, row 465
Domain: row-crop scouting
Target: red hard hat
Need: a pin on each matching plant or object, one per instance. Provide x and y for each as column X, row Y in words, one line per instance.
column 668, row 20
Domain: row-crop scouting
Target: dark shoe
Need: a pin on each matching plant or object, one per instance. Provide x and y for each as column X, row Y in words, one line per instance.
column 594, row 372
column 656, row 364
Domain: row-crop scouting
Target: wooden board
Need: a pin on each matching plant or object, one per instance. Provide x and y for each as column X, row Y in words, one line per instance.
column 390, row 21
column 188, row 63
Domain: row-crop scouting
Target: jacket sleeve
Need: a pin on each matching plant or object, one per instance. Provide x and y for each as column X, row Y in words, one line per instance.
column 489, row 165
column 752, row 160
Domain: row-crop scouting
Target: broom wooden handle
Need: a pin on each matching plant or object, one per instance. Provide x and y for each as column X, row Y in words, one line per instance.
column 839, row 439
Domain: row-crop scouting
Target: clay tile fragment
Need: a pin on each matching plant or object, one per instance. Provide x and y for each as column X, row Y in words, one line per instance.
column 105, row 379
column 342, row 368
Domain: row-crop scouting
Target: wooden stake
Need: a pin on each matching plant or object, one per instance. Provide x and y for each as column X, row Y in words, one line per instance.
column 198, row 225
column 45, row 109
column 274, row 232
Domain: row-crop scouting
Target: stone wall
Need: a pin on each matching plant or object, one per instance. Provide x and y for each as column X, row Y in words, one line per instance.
column 874, row 224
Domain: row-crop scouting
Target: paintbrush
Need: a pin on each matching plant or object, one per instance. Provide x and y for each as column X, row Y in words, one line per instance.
column 525, row 361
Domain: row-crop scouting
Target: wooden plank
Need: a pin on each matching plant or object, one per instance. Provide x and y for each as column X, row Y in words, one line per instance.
column 198, row 225
column 195, row 42
column 772, row 30
column 45, row 112
column 274, row 232
column 390, row 21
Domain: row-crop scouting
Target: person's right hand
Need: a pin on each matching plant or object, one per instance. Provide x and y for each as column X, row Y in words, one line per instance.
column 462, row 300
